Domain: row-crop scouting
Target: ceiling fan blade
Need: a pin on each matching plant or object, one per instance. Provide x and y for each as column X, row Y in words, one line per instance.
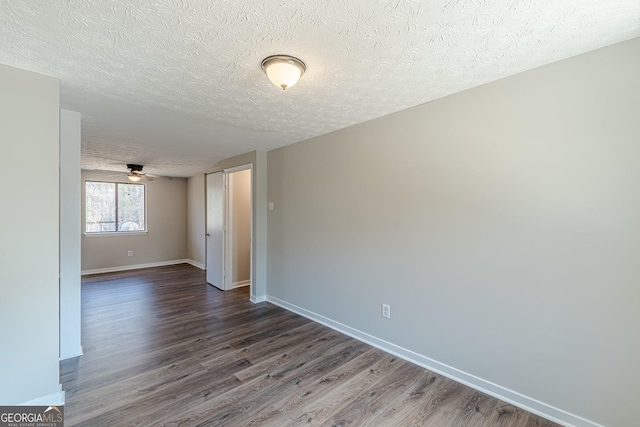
column 158, row 176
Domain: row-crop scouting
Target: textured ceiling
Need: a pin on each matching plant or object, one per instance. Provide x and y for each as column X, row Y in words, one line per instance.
column 176, row 85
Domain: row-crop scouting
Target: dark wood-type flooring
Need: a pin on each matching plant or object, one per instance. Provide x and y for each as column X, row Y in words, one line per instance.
column 162, row 348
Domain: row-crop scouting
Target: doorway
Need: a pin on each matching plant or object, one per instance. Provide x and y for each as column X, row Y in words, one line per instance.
column 230, row 228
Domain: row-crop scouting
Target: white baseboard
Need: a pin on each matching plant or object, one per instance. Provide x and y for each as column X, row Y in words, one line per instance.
column 196, row 264
column 240, row 284
column 259, row 299
column 77, row 353
column 55, row 399
column 517, row 399
column 133, row 267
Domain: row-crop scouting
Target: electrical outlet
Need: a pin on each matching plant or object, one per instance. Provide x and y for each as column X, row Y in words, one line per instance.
column 130, row 253
column 386, row 311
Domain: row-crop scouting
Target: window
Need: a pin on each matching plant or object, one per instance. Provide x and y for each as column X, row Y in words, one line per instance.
column 114, row 207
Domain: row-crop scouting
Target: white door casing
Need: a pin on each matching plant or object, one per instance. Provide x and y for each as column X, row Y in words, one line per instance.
column 219, row 244
column 228, row 244
column 215, row 229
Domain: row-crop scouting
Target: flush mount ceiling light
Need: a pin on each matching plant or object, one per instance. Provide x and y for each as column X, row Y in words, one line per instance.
column 283, row 70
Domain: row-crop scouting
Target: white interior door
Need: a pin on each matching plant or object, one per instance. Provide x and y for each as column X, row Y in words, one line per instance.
column 215, row 230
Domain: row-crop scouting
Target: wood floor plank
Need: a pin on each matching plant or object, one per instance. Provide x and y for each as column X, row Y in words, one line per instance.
column 370, row 402
column 278, row 364
column 314, row 403
column 281, row 378
column 398, row 406
column 163, row 348
column 475, row 409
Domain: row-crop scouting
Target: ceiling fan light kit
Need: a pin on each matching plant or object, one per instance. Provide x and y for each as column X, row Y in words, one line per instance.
column 134, row 177
column 284, row 71
column 136, row 172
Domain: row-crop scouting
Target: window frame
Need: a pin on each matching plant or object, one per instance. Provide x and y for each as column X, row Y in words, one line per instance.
column 115, row 232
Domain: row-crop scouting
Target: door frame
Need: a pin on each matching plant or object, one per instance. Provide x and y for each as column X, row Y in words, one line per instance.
column 226, row 240
column 228, row 243
column 208, row 237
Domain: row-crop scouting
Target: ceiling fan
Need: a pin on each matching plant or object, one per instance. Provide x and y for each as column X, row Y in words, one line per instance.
column 135, row 174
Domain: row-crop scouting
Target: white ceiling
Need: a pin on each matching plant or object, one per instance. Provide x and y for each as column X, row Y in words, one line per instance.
column 176, row 85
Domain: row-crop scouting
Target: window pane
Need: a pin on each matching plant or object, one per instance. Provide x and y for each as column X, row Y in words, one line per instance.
column 101, row 207
column 130, row 207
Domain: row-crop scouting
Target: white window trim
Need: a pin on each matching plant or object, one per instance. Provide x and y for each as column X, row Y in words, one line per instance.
column 112, row 233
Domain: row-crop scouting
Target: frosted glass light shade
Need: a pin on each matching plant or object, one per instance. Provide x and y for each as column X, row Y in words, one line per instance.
column 283, row 70
column 134, row 177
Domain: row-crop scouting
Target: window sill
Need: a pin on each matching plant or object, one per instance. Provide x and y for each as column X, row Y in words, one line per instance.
column 115, row 233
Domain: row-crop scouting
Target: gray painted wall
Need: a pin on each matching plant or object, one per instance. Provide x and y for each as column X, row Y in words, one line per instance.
column 196, row 220
column 166, row 239
column 500, row 224
column 70, row 232
column 29, row 264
